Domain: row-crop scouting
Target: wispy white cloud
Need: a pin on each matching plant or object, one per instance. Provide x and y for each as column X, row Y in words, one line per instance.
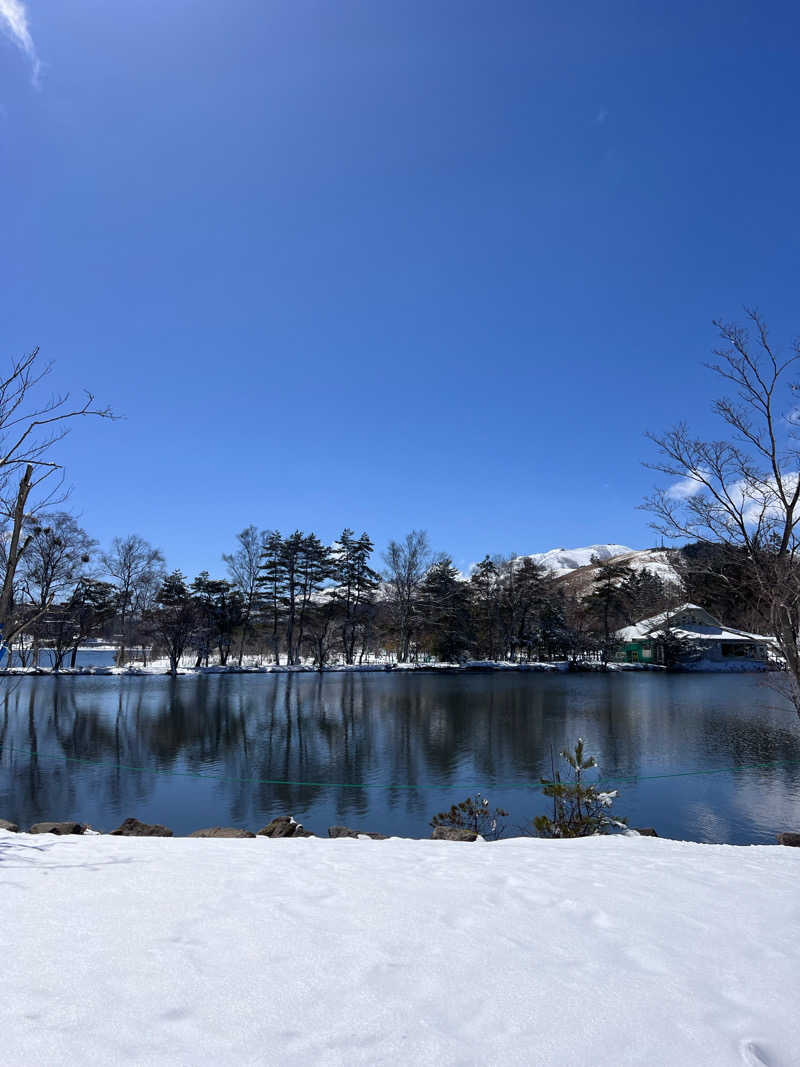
column 685, row 488
column 14, row 24
column 762, row 501
column 757, row 500
column 601, row 116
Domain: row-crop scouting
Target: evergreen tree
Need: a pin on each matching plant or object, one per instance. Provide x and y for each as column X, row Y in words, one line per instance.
column 219, row 612
column 643, row 595
column 355, row 587
column 289, row 564
column 474, row 814
column 557, row 636
column 91, row 605
column 313, row 569
column 271, row 579
column 521, row 595
column 173, row 618
column 444, row 606
column 609, row 599
column 579, row 809
column 485, row 598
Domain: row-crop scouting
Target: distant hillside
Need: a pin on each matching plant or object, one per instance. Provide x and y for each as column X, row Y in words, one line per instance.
column 573, row 569
column 559, row 561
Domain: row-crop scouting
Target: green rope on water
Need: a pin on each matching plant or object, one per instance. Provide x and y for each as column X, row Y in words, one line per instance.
column 410, row 788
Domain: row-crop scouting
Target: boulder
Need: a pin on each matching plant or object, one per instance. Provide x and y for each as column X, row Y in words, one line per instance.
column 789, row 837
column 345, row 831
column 221, row 831
column 10, row 826
column 280, row 826
column 453, row 833
column 645, row 831
column 302, row 832
column 135, row 828
column 56, row 828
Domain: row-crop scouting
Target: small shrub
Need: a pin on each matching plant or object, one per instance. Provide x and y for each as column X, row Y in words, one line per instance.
column 473, row 814
column 579, row 810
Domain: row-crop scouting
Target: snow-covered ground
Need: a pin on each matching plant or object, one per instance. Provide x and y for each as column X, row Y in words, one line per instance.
column 606, row 951
column 161, row 666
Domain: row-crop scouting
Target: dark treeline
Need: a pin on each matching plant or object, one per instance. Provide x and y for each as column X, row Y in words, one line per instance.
column 291, row 599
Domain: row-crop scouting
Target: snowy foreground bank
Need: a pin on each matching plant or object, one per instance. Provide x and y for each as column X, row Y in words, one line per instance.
column 606, row 951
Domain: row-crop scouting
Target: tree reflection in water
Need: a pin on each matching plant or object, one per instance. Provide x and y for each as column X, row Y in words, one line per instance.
column 387, row 750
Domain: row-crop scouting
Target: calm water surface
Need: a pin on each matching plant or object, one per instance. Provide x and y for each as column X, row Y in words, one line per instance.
column 386, row 751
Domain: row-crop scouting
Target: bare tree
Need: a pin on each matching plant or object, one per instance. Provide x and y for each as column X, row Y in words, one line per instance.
column 136, row 569
column 90, row 606
column 57, row 558
column 31, row 425
column 244, row 567
column 407, row 562
column 743, row 491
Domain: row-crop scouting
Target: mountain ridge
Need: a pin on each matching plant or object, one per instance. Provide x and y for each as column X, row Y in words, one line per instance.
column 574, row 570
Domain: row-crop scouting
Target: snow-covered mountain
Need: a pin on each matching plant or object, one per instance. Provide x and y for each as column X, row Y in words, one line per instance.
column 574, row 566
column 559, row 561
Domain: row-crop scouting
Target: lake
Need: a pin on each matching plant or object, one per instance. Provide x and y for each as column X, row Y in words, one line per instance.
column 700, row 757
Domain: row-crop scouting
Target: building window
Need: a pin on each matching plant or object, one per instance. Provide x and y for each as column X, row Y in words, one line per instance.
column 738, row 651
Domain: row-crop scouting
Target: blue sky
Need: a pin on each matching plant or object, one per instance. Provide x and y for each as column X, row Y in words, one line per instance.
column 390, row 265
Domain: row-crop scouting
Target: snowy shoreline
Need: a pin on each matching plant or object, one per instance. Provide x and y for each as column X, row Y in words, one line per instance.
column 476, row 666
column 472, row 667
column 122, row 950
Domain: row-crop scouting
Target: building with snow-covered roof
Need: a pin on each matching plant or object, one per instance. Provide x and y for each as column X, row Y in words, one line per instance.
column 706, row 644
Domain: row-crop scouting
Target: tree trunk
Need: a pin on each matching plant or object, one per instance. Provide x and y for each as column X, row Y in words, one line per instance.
column 245, row 624
column 15, row 552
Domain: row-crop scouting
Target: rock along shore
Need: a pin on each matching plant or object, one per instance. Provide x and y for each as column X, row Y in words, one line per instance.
column 285, row 826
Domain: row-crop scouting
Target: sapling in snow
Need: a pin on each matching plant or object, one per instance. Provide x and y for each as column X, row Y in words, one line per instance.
column 580, row 809
column 475, row 814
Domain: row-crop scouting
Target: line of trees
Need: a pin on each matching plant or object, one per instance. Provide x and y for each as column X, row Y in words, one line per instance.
column 736, row 502
column 291, row 599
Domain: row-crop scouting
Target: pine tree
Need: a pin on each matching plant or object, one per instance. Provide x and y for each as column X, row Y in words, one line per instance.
column 521, row 592
column 220, row 611
column 474, row 814
column 271, row 579
column 579, row 809
column 610, row 599
column 355, row 586
column 643, row 595
column 555, row 637
column 445, row 608
column 485, row 597
column 173, row 619
column 91, row 605
column 314, row 568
